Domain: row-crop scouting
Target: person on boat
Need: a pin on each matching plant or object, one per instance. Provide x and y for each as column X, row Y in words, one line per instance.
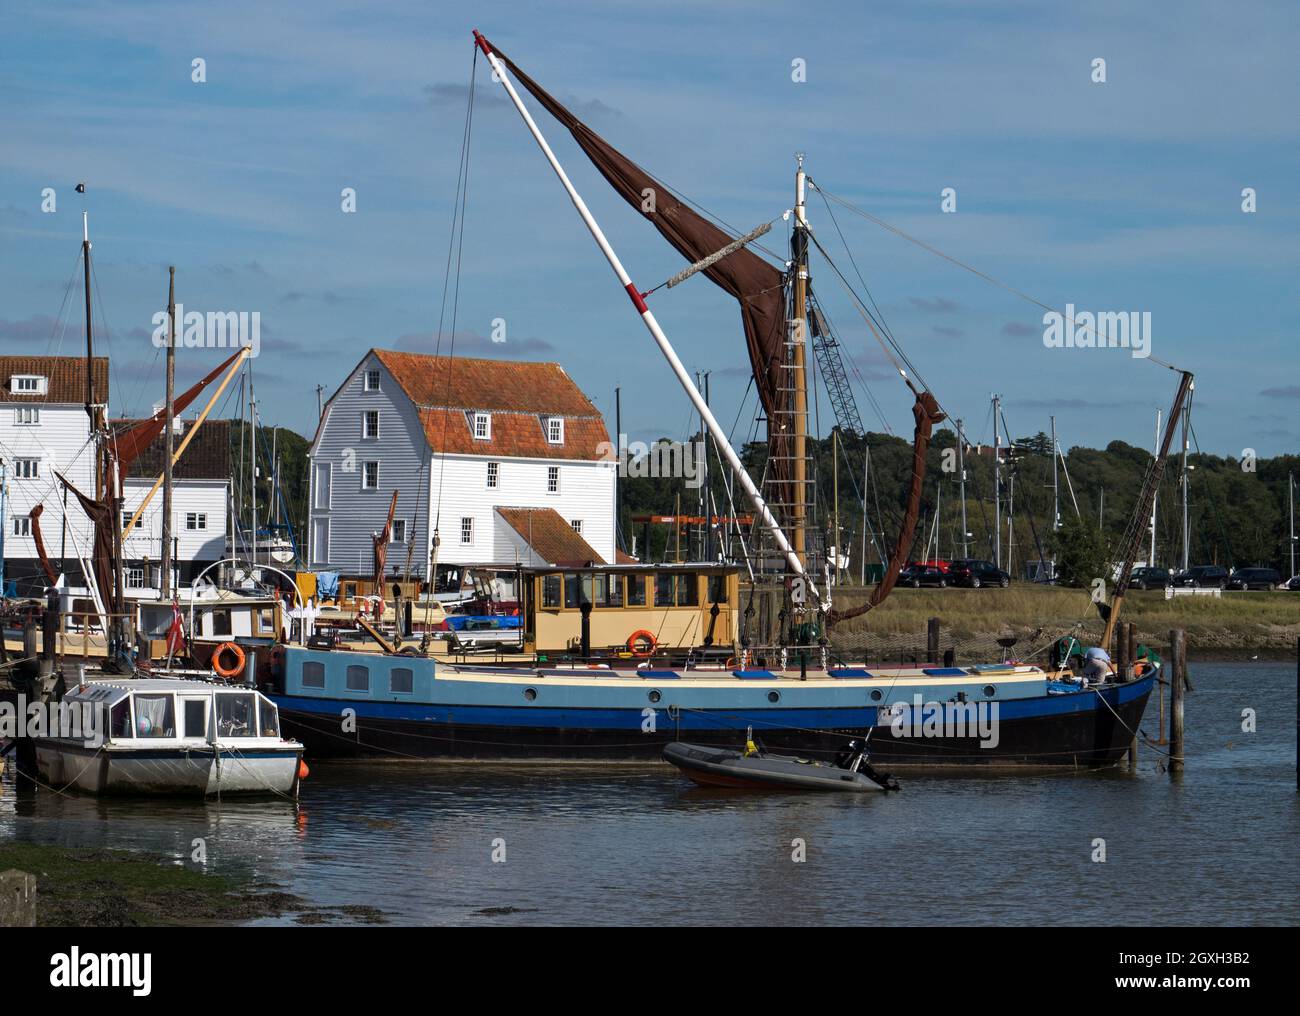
column 1096, row 666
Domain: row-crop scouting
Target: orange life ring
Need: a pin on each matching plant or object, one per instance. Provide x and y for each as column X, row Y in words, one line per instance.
column 647, row 640
column 228, row 672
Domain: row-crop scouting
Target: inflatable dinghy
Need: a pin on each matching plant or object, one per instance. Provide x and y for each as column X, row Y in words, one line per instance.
column 758, row 770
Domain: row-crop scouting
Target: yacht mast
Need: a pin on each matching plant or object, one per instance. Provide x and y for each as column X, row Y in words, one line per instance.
column 793, row 559
column 798, row 366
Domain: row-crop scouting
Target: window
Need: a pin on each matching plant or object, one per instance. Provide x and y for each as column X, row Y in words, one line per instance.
column 26, row 416
column 555, row 430
column 28, row 384
column 27, row 469
column 358, row 678
column 196, row 717
column 135, row 578
column 119, row 719
column 270, row 719
column 236, row 715
column 681, row 590
column 313, row 675
column 370, row 475
column 482, row 426
column 401, row 680
column 552, row 479
column 321, row 489
column 467, row 530
column 372, row 380
column 398, row 535
column 370, row 424
column 155, row 716
column 195, row 521
column 614, row 591
column 320, row 541
column 718, row 589
column 493, row 474
column 636, row 591
column 578, row 590
column 221, row 622
column 577, row 525
column 552, row 590
column 22, row 525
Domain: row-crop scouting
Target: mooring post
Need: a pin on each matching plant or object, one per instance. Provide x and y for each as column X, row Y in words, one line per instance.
column 1178, row 651
column 932, row 641
column 1131, row 675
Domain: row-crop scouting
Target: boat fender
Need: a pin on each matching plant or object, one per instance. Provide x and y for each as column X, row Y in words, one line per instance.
column 303, row 771
column 642, row 643
column 228, row 672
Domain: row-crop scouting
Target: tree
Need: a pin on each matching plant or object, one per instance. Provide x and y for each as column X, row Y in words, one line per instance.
column 1081, row 553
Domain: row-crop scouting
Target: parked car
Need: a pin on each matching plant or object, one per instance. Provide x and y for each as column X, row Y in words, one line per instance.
column 1150, row 578
column 1203, row 576
column 1294, row 584
column 917, row 575
column 1255, row 578
column 975, row 573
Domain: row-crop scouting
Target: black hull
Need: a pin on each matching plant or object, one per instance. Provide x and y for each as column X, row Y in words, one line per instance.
column 1087, row 738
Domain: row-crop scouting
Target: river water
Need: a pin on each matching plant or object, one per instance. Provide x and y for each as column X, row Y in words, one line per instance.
column 638, row 845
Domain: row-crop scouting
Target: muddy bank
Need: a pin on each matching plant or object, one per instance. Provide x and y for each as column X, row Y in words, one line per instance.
column 118, row 888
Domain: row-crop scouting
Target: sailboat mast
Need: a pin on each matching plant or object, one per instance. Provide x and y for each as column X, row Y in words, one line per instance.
column 652, row 325
column 961, row 469
column 997, row 483
column 169, row 438
column 798, row 367
column 1151, row 560
column 1290, row 493
column 1187, row 528
column 90, row 341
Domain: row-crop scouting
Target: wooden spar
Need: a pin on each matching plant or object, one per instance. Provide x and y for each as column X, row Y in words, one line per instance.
column 185, row 441
column 165, row 584
column 657, row 333
column 385, row 535
column 1143, row 509
column 799, row 372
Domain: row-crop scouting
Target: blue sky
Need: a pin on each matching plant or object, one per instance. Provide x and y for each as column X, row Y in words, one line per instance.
column 1117, row 196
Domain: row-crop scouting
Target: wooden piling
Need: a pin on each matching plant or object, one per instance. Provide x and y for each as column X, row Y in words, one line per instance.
column 1121, row 652
column 1178, row 654
column 932, row 641
column 1131, row 627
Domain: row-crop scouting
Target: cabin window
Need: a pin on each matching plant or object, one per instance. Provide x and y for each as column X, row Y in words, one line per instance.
column 467, row 529
column 717, row 589
column 313, row 675
column 493, row 475
column 552, row 590
column 119, row 720
column 195, row 717
column 236, row 715
column 676, row 590
column 370, row 475
column 688, row 590
column 636, row 591
column 221, row 622
column 372, row 380
column 349, row 592
column 196, row 522
column 555, row 430
column 578, row 590
column 482, row 426
column 270, row 717
column 552, row 479
column 401, row 680
column 27, row 416
column 614, row 591
column 358, row 678
column 27, row 469
column 370, row 424
column 155, row 716
column 22, row 525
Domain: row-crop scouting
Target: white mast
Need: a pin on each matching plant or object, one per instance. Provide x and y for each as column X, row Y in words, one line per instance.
column 652, row 325
column 1151, row 560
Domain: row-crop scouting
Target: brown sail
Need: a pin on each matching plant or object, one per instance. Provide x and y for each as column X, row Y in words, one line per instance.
column 926, row 413
column 752, row 281
column 35, row 515
column 103, row 516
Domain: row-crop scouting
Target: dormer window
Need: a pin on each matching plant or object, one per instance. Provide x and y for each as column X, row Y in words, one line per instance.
column 372, row 381
column 554, row 429
column 482, row 426
column 29, row 384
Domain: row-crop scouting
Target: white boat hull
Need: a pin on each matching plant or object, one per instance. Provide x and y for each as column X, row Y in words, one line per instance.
column 168, row 771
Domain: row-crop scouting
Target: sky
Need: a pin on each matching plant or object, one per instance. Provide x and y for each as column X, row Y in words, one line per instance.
column 1122, row 195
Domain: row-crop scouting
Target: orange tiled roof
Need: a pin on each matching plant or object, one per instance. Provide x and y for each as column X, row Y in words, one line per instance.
column 513, row 434
column 552, row 539
column 66, row 374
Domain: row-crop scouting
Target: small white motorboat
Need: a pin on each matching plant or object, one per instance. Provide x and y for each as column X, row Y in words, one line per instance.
column 182, row 737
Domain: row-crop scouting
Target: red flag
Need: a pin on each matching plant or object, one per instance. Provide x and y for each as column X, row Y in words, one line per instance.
column 176, row 633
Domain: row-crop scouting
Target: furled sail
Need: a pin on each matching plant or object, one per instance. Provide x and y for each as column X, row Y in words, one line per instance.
column 752, row 281
column 926, row 413
column 128, row 445
column 104, row 518
column 50, row 573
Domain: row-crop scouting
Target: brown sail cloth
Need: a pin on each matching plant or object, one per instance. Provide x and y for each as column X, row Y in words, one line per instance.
column 35, row 516
column 926, row 413
column 104, row 518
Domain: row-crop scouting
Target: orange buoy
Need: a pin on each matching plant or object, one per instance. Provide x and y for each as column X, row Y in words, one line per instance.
column 303, row 771
column 642, row 643
column 236, row 668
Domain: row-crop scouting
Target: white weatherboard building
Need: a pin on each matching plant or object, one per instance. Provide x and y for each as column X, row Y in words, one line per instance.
column 459, row 440
column 44, row 429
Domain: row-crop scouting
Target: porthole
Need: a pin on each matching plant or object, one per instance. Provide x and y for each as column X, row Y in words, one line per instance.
column 989, row 691
column 774, row 696
column 530, row 694
column 876, row 695
column 655, row 696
